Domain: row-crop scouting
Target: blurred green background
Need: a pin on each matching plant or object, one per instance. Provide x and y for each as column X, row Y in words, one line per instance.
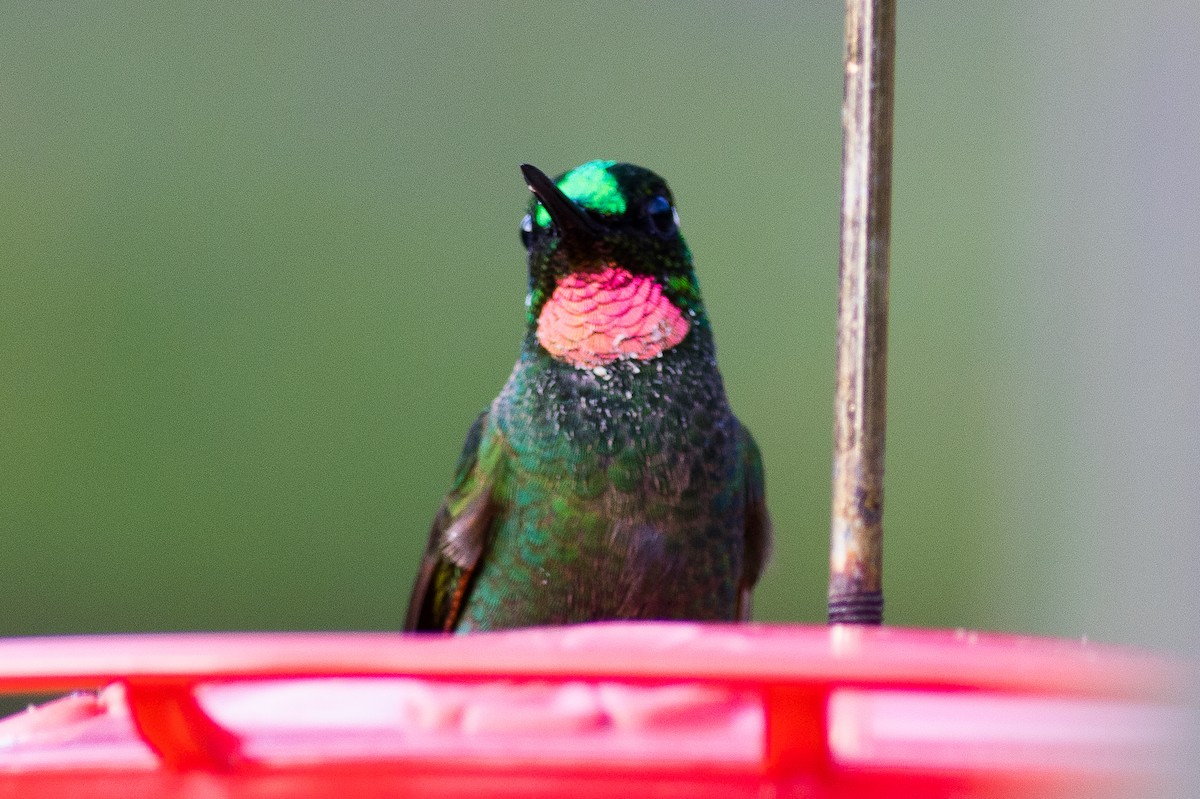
column 260, row 271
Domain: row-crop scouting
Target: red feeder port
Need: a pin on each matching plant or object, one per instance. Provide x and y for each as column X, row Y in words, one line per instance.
column 615, row 709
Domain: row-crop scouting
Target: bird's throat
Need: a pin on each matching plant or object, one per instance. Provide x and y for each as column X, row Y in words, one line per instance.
column 595, row 318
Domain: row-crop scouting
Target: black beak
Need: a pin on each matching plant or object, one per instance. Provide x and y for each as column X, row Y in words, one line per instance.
column 569, row 218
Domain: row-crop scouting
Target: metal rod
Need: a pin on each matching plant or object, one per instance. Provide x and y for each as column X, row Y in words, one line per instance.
column 856, row 536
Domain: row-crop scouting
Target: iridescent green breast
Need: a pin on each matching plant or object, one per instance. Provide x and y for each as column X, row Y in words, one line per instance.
column 625, row 494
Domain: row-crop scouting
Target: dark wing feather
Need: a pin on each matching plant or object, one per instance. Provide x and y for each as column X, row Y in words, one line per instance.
column 758, row 524
column 458, row 536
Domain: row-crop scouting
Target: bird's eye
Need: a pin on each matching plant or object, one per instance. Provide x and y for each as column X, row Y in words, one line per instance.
column 664, row 220
column 527, row 231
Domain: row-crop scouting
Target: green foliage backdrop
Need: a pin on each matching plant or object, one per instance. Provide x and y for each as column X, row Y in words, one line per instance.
column 260, row 271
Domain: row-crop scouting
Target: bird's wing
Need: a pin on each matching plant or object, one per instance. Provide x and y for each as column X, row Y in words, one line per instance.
column 459, row 534
column 758, row 524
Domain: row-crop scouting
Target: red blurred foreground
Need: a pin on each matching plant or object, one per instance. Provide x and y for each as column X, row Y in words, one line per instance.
column 662, row 709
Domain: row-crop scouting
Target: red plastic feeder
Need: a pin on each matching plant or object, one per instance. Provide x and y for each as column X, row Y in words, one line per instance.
column 633, row 709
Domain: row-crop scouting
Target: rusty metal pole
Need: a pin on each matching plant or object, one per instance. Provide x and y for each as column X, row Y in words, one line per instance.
column 856, row 545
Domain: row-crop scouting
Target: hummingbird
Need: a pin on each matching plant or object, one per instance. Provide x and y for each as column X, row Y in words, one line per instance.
column 609, row 479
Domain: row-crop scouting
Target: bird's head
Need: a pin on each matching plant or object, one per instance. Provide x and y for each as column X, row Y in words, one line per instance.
column 610, row 276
